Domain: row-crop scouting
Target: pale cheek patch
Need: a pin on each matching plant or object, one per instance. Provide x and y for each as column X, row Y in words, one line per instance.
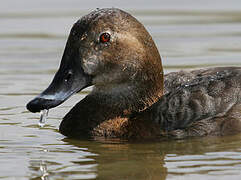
column 90, row 65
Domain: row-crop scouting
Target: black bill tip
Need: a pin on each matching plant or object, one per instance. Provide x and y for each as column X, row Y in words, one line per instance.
column 38, row 104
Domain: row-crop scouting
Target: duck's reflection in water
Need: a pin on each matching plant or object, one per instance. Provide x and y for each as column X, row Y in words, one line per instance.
column 124, row 160
column 115, row 159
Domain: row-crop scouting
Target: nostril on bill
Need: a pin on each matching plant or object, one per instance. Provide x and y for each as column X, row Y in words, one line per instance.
column 68, row 76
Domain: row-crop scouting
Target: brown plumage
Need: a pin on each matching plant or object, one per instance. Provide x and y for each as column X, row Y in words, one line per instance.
column 128, row 99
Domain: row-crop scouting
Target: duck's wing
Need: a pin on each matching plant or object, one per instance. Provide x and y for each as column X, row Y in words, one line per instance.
column 198, row 95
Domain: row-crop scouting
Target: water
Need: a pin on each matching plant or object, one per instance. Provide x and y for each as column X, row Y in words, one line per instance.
column 43, row 117
column 189, row 34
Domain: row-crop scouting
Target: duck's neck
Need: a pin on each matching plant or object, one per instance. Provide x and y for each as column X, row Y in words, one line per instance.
column 108, row 103
column 131, row 97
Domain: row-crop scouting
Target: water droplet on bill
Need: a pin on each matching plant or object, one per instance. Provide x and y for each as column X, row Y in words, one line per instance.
column 43, row 117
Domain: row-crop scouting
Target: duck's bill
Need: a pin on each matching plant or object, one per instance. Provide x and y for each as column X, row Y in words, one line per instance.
column 68, row 80
column 59, row 90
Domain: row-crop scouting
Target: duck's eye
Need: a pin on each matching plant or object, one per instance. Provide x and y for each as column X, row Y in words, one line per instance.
column 105, row 37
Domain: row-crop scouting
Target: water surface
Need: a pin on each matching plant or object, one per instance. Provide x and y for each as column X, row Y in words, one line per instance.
column 32, row 38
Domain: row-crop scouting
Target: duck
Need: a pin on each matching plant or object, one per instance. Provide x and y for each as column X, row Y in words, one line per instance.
column 131, row 98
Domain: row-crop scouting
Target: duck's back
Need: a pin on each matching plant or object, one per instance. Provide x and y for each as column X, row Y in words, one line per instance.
column 174, row 80
column 201, row 102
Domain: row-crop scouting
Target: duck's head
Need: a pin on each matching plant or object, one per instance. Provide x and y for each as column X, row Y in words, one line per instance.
column 109, row 49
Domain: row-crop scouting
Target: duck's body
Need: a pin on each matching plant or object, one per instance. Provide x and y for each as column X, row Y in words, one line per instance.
column 112, row 51
column 197, row 103
column 201, row 102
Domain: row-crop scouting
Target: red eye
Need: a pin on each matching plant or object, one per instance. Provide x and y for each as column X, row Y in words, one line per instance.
column 105, row 37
